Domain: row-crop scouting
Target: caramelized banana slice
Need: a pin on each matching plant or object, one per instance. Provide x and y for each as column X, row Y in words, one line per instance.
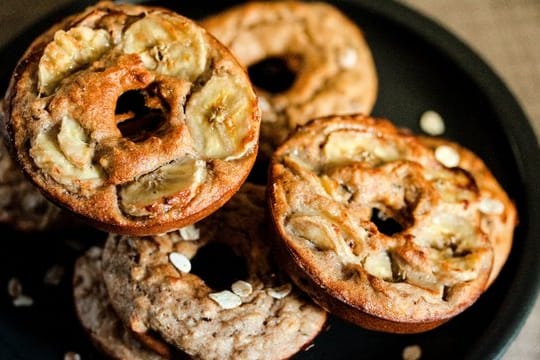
column 217, row 117
column 167, row 45
column 69, row 51
column 159, row 190
column 48, row 155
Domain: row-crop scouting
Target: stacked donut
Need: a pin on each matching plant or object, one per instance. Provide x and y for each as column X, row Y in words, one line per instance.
column 143, row 124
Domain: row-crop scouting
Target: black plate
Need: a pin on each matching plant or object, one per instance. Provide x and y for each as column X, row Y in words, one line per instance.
column 421, row 66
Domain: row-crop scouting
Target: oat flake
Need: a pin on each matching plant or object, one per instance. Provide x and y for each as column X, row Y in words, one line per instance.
column 447, row 156
column 242, row 288
column 180, row 262
column 226, row 299
column 280, row 292
column 432, row 123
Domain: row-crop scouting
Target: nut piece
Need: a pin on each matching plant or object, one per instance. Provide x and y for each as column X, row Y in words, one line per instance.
column 189, row 233
column 280, row 292
column 180, row 262
column 432, row 123
column 226, row 299
column 447, row 156
column 242, row 288
column 490, row 206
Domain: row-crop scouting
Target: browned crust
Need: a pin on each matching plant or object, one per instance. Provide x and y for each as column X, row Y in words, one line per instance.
column 101, row 209
column 255, row 30
column 368, row 301
column 150, row 294
column 500, row 228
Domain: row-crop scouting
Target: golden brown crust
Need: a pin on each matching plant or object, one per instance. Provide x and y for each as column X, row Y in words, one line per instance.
column 149, row 293
column 498, row 226
column 332, row 185
column 334, row 72
column 199, row 121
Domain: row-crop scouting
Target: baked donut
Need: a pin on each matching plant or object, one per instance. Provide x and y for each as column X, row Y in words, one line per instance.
column 263, row 317
column 96, row 315
column 307, row 60
column 133, row 117
column 499, row 214
column 21, row 205
column 375, row 228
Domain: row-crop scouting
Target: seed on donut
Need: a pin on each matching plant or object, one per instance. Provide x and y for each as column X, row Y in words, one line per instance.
column 280, row 292
column 432, row 123
column 348, row 58
column 70, row 355
column 491, row 206
column 226, row 299
column 447, row 156
column 189, row 233
column 242, row 288
column 180, row 262
column 69, row 51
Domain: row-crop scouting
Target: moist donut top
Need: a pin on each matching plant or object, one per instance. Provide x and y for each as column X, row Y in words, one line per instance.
column 373, row 219
column 270, row 320
column 127, row 115
column 306, row 60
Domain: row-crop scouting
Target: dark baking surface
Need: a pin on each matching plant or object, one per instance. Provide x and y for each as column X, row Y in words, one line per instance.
column 420, row 67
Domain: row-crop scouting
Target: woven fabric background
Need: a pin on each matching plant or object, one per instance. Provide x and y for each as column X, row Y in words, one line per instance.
column 506, row 33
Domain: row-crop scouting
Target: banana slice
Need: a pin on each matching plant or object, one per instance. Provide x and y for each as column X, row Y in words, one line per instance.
column 217, row 117
column 74, row 143
column 167, row 45
column 69, row 51
column 49, row 157
column 154, row 193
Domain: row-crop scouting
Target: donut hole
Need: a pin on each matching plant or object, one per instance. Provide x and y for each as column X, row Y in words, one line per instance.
column 387, row 222
column 275, row 74
column 139, row 115
column 218, row 266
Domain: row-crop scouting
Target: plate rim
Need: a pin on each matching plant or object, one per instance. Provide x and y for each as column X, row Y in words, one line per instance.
column 516, row 126
column 517, row 129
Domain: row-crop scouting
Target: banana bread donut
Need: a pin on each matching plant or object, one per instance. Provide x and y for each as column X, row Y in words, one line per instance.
column 96, row 315
column 307, row 60
column 21, row 205
column 133, row 117
column 499, row 214
column 375, row 228
column 260, row 316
